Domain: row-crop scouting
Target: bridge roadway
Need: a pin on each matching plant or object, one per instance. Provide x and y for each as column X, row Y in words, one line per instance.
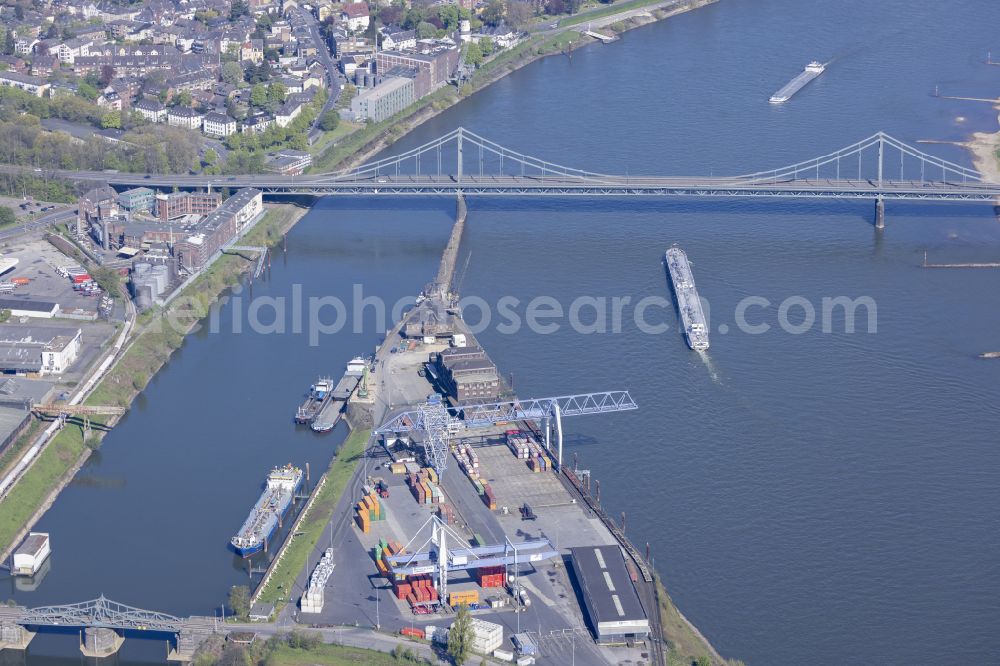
column 552, row 185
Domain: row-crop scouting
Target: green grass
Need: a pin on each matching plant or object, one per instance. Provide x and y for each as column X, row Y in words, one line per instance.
column 344, row 127
column 33, row 487
column 609, row 10
column 330, row 655
column 311, row 528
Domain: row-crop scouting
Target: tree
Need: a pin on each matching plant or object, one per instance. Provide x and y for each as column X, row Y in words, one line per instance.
column 494, row 13
column 183, row 98
column 211, row 157
column 107, row 75
column 329, row 121
column 486, row 46
column 86, row 91
column 518, row 13
column 239, row 600
column 232, row 73
column 426, row 30
column 112, row 120
column 449, row 16
column 703, row 660
column 239, row 8
column 258, row 95
column 276, row 92
column 460, row 636
column 473, row 55
column 7, row 217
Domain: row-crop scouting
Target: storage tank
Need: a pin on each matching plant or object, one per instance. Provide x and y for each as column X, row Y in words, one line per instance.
column 161, row 276
column 368, row 79
column 359, row 77
column 141, row 268
column 144, row 295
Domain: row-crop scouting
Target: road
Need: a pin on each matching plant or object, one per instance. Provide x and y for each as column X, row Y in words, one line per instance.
column 41, row 222
column 301, row 17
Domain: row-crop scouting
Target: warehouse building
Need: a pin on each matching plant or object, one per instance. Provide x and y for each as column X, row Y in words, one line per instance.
column 610, row 601
column 466, row 374
column 383, row 101
column 41, row 350
column 26, row 307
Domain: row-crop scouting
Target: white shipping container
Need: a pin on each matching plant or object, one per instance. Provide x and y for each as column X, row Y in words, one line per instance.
column 504, row 655
column 486, row 636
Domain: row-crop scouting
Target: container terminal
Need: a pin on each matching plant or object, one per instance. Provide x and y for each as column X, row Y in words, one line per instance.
column 463, row 497
column 688, row 302
column 811, row 71
column 266, row 516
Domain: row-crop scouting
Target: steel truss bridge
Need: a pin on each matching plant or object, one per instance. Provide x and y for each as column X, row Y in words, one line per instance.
column 100, row 613
column 878, row 167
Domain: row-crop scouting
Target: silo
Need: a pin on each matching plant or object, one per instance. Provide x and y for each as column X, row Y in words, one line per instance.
column 161, row 278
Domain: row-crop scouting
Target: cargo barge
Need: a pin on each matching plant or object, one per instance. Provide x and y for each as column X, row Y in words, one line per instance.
column 319, row 395
column 271, row 507
column 31, row 555
column 811, row 71
column 688, row 302
column 329, row 415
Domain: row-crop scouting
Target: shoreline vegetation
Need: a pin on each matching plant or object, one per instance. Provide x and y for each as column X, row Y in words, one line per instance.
column 149, row 349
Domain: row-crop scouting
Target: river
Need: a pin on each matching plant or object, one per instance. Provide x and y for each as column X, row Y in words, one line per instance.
column 822, row 497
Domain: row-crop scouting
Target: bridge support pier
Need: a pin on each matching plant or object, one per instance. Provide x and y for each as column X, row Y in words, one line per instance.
column 14, row 636
column 187, row 645
column 100, row 642
column 880, row 213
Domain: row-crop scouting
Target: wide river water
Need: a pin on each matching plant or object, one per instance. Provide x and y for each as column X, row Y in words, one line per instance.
column 820, row 497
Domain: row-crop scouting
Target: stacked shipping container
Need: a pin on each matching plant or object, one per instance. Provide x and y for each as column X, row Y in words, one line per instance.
column 491, row 576
column 367, row 511
column 424, row 486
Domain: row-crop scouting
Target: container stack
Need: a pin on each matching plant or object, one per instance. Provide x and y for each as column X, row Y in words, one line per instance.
column 398, row 468
column 491, row 576
column 517, row 442
column 424, row 486
column 416, row 590
column 383, row 551
column 468, row 460
column 489, row 499
column 368, row 511
column 465, row 597
column 486, row 636
column 413, row 632
column 446, row 513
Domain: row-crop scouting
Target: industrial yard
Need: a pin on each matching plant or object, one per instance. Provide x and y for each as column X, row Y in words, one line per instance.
column 494, row 501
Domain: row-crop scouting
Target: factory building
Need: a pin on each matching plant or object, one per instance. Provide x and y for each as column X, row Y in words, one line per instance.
column 467, row 374
column 178, row 204
column 219, row 228
column 383, row 101
column 139, row 199
column 42, row 350
column 610, row 601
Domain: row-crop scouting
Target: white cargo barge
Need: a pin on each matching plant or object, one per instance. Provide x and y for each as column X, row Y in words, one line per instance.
column 688, row 302
column 31, row 555
column 811, row 71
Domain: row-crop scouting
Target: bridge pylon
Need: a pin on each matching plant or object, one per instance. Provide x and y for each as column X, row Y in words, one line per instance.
column 879, row 213
column 14, row 637
column 100, row 641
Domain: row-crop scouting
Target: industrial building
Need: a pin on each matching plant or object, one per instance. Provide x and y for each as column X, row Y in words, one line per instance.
column 139, row 199
column 434, row 66
column 26, row 307
column 42, row 350
column 383, row 101
column 219, row 228
column 177, row 204
column 610, row 601
column 466, row 373
column 31, row 554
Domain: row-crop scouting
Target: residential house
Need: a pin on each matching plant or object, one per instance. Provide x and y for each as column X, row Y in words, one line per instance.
column 288, row 112
column 151, row 109
column 355, row 16
column 182, row 116
column 30, row 84
column 218, row 124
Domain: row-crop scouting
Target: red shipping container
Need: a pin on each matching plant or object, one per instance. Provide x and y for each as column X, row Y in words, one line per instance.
column 412, row 631
column 411, row 598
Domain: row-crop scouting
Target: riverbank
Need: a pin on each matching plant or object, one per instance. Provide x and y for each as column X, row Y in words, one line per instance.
column 985, row 150
column 159, row 333
column 373, row 138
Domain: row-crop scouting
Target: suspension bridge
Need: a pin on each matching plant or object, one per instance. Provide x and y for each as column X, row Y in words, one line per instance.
column 879, row 168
